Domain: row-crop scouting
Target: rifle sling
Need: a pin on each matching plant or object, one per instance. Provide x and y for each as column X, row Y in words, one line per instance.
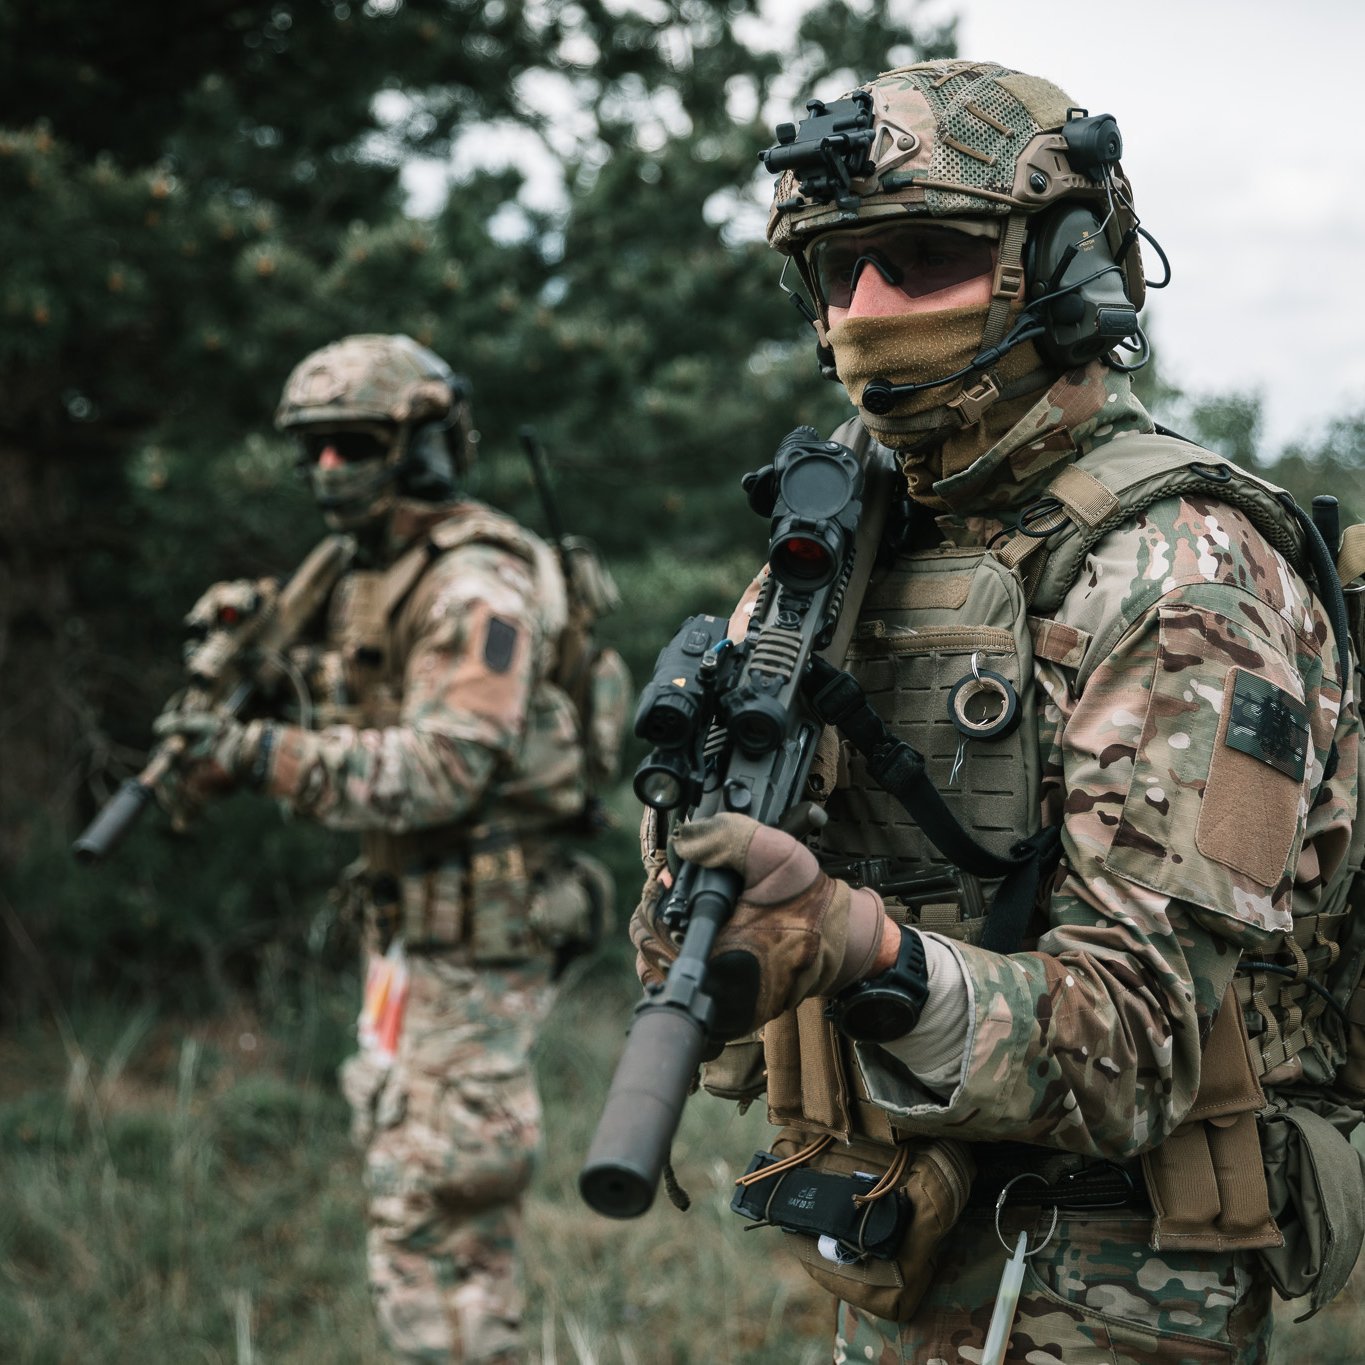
column 839, row 700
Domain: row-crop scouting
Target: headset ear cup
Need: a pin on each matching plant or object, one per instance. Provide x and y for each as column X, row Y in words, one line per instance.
column 1069, row 254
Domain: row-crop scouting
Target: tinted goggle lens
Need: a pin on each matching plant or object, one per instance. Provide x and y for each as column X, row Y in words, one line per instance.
column 349, row 445
column 917, row 261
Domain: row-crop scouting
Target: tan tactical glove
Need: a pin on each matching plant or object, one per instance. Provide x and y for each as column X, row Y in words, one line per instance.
column 220, row 754
column 795, row 932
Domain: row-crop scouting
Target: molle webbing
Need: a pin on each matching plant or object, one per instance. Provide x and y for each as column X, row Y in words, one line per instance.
column 838, row 700
column 1283, row 1009
column 1141, row 470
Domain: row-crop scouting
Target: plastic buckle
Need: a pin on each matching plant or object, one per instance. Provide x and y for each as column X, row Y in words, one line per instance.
column 1008, row 282
column 972, row 402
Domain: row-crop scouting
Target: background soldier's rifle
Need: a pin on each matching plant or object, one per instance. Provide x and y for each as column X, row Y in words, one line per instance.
column 238, row 649
column 732, row 731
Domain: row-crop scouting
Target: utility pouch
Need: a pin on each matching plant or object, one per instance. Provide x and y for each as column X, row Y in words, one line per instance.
column 1316, row 1180
column 923, row 1188
column 433, row 905
column 739, row 1072
column 1206, row 1181
column 849, row 1221
column 499, row 890
column 572, row 903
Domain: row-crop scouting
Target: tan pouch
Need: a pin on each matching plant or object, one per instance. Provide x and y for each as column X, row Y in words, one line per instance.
column 572, row 904
column 1206, row 1180
column 499, row 898
column 1316, row 1180
column 936, row 1177
column 738, row 1073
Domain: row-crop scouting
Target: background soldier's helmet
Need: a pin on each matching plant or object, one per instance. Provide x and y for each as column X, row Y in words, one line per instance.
column 973, row 141
column 394, row 384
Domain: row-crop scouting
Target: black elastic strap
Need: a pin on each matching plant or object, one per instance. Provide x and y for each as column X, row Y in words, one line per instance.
column 839, row 700
column 1330, row 591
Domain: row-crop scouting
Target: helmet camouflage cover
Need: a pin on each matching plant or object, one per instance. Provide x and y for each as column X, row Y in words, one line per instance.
column 948, row 139
column 393, row 381
column 367, row 378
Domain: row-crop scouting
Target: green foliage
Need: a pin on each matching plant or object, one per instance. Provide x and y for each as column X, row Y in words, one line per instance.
column 174, row 1196
column 196, row 198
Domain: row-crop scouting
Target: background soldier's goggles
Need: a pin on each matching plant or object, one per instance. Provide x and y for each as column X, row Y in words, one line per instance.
column 351, row 444
column 917, row 259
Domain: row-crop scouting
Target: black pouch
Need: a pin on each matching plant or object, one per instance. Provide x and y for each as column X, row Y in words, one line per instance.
column 824, row 1204
column 916, row 1192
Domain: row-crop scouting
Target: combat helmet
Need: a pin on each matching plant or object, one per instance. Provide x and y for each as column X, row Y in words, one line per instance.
column 402, row 395
column 986, row 149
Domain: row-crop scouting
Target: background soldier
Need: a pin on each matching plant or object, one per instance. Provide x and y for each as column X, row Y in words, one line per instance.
column 439, row 733
column 1087, row 626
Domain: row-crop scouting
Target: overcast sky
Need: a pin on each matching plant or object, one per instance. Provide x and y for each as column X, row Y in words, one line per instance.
column 1245, row 141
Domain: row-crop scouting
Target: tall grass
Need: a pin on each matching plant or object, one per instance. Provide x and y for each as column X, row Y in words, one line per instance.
column 186, row 1193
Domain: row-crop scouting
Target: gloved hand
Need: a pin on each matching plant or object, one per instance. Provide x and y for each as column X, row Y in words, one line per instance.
column 220, row 753
column 795, row 932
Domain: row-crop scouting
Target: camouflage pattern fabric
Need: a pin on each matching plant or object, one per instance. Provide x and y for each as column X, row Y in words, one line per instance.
column 455, row 1128
column 1175, row 856
column 1184, row 844
column 1092, row 1295
column 457, row 724
column 481, row 635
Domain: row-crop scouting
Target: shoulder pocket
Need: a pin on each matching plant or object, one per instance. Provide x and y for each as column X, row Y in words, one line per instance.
column 1215, row 808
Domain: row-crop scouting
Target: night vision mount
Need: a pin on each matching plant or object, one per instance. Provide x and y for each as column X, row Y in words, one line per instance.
column 828, row 150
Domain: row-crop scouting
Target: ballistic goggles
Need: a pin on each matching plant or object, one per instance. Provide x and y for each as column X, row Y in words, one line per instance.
column 916, row 258
column 352, row 443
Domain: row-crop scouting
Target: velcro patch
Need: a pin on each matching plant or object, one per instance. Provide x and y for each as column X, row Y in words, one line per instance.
column 1269, row 724
column 500, row 644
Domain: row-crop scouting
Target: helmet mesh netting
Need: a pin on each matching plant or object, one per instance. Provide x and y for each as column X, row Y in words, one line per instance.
column 961, row 124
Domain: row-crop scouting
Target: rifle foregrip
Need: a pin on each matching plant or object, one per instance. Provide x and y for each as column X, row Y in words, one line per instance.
column 115, row 818
column 663, row 1050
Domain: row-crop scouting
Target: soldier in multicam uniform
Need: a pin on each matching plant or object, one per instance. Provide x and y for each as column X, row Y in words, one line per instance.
column 438, row 732
column 1090, row 626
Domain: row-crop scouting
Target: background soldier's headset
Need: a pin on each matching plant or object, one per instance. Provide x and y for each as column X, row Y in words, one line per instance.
column 1076, row 270
column 438, row 452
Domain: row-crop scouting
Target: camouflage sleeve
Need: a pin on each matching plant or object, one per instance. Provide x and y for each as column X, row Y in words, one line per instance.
column 477, row 642
column 1186, row 777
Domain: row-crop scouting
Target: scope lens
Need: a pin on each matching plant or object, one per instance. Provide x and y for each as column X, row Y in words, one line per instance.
column 804, row 560
column 659, row 786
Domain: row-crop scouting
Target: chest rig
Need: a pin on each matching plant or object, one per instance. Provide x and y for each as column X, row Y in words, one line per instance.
column 465, row 885
column 945, row 647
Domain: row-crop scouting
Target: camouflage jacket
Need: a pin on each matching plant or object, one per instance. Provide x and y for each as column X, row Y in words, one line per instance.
column 1179, row 853
column 457, row 720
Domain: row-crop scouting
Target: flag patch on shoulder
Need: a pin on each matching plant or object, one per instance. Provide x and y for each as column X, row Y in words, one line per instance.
column 1269, row 724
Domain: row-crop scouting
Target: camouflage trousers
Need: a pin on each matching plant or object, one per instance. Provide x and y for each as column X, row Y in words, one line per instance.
column 1093, row 1294
column 451, row 1132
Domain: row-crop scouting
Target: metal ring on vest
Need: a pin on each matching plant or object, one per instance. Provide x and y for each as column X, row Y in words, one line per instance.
column 983, row 705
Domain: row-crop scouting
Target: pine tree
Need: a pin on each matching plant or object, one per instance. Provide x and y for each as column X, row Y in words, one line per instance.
column 198, row 195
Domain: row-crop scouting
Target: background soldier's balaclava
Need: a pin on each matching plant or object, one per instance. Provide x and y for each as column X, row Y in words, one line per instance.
column 401, row 409
column 986, row 151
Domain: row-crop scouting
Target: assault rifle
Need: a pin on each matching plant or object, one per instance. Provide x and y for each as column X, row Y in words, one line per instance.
column 238, row 649
column 732, row 730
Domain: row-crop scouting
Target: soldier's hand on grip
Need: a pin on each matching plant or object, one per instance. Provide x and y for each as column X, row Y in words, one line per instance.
column 795, row 932
column 219, row 754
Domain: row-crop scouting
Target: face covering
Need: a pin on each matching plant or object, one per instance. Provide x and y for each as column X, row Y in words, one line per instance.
column 909, row 348
column 916, row 348
column 349, row 494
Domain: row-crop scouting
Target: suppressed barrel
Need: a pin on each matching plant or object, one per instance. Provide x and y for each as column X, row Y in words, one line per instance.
column 743, row 742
